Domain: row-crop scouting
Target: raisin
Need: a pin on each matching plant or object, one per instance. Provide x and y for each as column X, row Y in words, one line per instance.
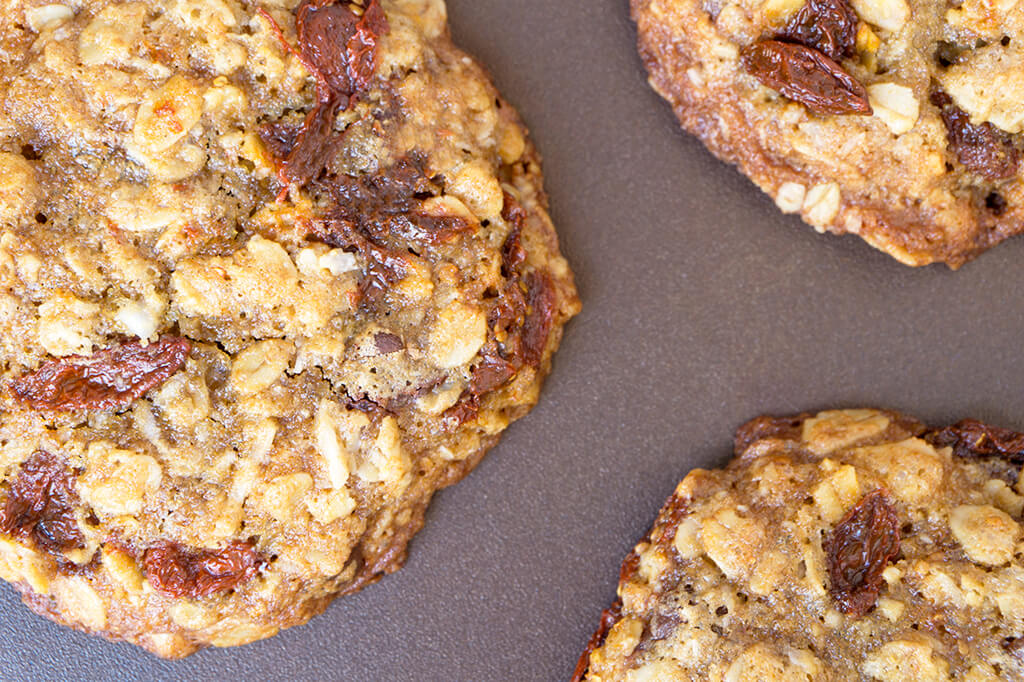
column 379, row 216
column 465, row 410
column 279, row 138
column 40, row 505
column 107, row 380
column 383, row 268
column 996, row 203
column 339, row 47
column 540, row 296
column 340, row 44
column 828, row 26
column 491, row 373
column 177, row 571
column 313, row 147
column 981, row 148
column 807, row 76
column 858, row 549
column 362, row 46
column 787, row 428
column 971, row 438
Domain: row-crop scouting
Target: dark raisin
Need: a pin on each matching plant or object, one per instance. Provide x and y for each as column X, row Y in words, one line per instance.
column 541, row 299
column 177, row 571
column 981, row 148
column 858, row 549
column 972, row 438
column 490, row 373
column 107, row 380
column 722, row 610
column 40, row 504
column 806, row 76
column 279, row 138
column 787, row 428
column 828, row 26
column 340, row 44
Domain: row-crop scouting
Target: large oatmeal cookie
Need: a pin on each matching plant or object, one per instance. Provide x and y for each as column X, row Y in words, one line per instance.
column 897, row 120
column 850, row 545
column 271, row 274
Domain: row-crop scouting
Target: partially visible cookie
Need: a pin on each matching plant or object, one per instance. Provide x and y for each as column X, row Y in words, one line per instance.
column 271, row 274
column 854, row 544
column 897, row 120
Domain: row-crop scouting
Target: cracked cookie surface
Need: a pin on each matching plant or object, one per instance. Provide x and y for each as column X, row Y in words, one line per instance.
column 271, row 274
column 852, row 544
column 896, row 120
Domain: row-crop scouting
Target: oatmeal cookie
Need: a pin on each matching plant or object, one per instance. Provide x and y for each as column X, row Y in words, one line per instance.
column 897, row 120
column 848, row 545
column 271, row 274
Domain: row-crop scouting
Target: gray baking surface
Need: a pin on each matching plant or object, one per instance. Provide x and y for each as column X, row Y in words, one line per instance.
column 703, row 307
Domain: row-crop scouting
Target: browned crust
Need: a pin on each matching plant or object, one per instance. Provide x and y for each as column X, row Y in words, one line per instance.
column 908, row 233
column 609, row 617
column 661, row 534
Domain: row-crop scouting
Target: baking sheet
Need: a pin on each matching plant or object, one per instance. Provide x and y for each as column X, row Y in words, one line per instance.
column 703, row 307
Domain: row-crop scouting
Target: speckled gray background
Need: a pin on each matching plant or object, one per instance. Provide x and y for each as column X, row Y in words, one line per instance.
column 703, row 307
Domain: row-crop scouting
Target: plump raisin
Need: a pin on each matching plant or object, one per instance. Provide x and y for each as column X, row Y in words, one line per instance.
column 981, row 148
column 858, row 549
column 279, row 138
column 807, row 76
column 177, row 571
column 110, row 379
column 828, row 26
column 40, row 505
column 971, row 438
column 339, row 43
